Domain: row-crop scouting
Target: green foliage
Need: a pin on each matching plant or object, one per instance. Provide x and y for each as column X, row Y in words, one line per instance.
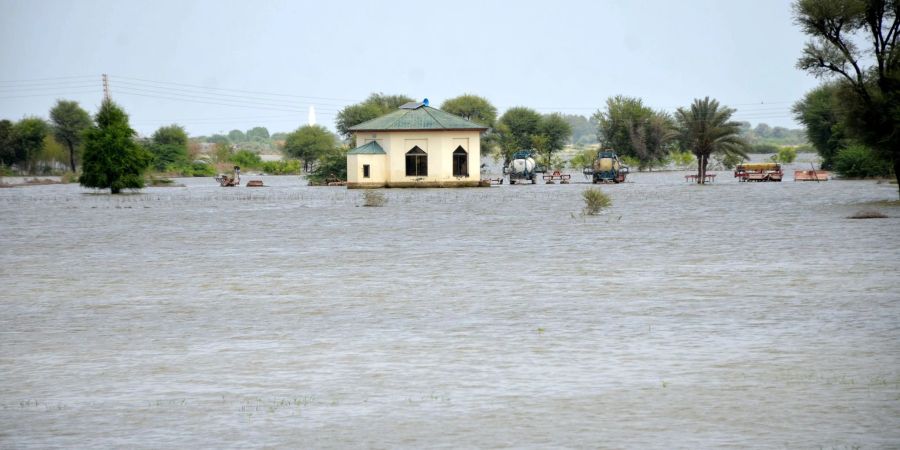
column 286, row 167
column 820, row 111
column 69, row 123
column 854, row 42
column 28, row 140
column 519, row 124
column 728, row 160
column 246, row 159
column 858, row 161
column 223, row 153
column 112, row 159
column 218, row 139
column 7, row 145
column 682, row 159
column 331, row 166
column 556, row 130
column 258, row 134
column 786, row 155
column 584, row 158
column 706, row 129
column 595, row 201
column 376, row 105
column 472, row 107
column 237, row 136
column 763, row 148
column 52, row 153
column 309, row 143
column 168, row 146
column 635, row 130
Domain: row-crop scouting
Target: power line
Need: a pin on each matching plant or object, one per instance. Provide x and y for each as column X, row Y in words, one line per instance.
column 37, row 80
column 213, row 95
column 235, row 90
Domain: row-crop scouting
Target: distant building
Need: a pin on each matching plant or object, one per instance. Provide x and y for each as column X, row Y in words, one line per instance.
column 416, row 146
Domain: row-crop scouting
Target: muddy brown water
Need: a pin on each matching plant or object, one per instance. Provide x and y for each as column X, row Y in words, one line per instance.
column 730, row 315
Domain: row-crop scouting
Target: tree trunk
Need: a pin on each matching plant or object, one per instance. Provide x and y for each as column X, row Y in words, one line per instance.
column 705, row 163
column 699, row 168
column 71, row 155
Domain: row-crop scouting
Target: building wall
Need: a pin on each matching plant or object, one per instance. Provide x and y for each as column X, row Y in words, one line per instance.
column 438, row 145
column 377, row 174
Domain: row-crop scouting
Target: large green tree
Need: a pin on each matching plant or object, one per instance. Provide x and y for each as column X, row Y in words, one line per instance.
column 705, row 129
column 112, row 159
column 555, row 131
column 69, row 123
column 28, row 140
column 309, row 143
column 472, row 107
column 820, row 112
column 633, row 129
column 169, row 146
column 516, row 128
column 375, row 105
column 258, row 134
column 855, row 43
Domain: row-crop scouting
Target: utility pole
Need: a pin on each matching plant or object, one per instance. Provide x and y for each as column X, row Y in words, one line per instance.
column 105, row 88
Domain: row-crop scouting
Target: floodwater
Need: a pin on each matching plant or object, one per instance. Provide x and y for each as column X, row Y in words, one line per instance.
column 731, row 315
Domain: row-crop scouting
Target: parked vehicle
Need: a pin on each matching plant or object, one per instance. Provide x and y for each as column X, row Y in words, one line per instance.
column 607, row 168
column 522, row 167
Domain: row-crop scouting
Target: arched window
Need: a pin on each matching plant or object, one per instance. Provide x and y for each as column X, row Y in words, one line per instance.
column 416, row 162
column 460, row 162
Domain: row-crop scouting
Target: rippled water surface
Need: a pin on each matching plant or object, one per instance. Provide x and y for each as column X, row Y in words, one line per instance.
column 730, row 315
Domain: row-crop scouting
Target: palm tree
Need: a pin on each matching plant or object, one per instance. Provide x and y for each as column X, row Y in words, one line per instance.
column 707, row 128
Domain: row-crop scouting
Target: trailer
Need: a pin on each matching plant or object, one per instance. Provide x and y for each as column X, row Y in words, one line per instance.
column 758, row 172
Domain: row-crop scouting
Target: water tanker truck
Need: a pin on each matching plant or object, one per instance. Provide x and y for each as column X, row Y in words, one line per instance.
column 606, row 168
column 522, row 167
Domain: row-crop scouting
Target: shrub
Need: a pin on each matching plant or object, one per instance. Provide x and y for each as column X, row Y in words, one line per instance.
column 285, row 167
column 860, row 162
column 786, row 155
column 595, row 201
column 763, row 148
column 373, row 198
column 246, row 159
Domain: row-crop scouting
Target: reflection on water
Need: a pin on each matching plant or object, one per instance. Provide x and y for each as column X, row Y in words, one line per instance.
column 742, row 315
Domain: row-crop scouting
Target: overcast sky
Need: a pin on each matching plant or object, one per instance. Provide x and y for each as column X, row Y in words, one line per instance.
column 269, row 60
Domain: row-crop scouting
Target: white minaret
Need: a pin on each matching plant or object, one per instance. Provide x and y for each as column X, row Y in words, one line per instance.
column 312, row 115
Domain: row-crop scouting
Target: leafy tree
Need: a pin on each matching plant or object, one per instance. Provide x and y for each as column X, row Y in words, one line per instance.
column 169, row 147
column 237, row 136
column 820, row 111
column 376, row 105
column 69, row 123
column 112, row 159
column 309, row 143
column 847, row 35
column 584, row 158
column 258, row 134
column 246, row 159
column 706, row 129
column 763, row 130
column 633, row 129
column 7, row 146
column 28, row 140
column 763, row 148
column 556, row 131
column 521, row 124
column 472, row 107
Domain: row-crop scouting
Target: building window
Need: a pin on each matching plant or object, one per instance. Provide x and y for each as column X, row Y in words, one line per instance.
column 416, row 162
column 365, row 171
column 460, row 162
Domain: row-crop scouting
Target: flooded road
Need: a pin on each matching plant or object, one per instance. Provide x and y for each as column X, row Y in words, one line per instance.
column 729, row 315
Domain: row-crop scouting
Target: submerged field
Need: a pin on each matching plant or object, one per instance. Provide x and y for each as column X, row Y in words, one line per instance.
column 741, row 315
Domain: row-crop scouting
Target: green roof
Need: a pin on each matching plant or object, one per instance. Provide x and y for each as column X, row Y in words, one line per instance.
column 372, row 148
column 417, row 117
